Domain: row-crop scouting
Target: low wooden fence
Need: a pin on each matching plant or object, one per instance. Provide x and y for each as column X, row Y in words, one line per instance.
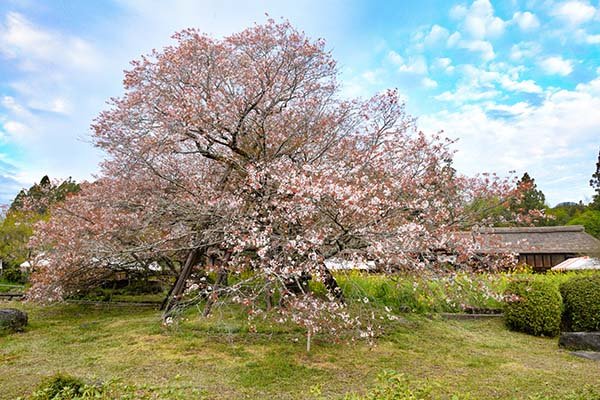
column 11, row 296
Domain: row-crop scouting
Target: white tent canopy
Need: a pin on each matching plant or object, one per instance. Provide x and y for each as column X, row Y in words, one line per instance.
column 577, row 264
column 337, row 264
column 28, row 265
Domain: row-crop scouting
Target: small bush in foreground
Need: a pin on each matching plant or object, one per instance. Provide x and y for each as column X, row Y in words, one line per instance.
column 66, row 387
column 581, row 297
column 585, row 393
column 533, row 307
column 394, row 386
column 63, row 387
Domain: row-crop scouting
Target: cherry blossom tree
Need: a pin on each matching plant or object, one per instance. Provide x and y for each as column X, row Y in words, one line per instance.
column 240, row 157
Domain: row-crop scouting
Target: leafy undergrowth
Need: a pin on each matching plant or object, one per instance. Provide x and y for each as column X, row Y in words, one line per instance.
column 128, row 354
column 407, row 292
column 10, row 287
column 430, row 293
column 390, row 386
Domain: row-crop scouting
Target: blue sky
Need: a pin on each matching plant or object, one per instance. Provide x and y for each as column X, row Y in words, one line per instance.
column 516, row 82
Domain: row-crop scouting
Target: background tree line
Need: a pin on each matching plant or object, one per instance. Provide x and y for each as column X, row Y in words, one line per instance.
column 566, row 213
column 19, row 218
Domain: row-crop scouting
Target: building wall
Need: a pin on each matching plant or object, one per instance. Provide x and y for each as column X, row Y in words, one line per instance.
column 543, row 261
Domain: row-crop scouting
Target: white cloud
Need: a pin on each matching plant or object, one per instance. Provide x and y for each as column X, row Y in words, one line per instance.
column 37, row 95
column 524, row 50
column 558, row 138
column 526, row 20
column 484, row 48
column 574, row 12
column 436, row 35
column 395, row 58
column 55, row 135
column 510, row 109
column 429, row 83
column 57, row 105
column 467, row 94
column 61, row 80
column 16, row 130
column 483, row 84
column 479, row 21
column 50, row 72
column 35, row 47
column 556, row 65
column 582, row 36
column 458, row 12
column 371, row 76
column 526, row 86
column 362, row 84
column 444, row 63
column 9, row 103
column 592, row 39
column 592, row 88
column 453, row 39
column 475, row 76
column 415, row 64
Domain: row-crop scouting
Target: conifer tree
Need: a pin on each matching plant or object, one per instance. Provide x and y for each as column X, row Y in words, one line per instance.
column 595, row 184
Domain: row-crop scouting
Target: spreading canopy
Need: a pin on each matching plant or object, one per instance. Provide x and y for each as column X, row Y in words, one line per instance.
column 243, row 149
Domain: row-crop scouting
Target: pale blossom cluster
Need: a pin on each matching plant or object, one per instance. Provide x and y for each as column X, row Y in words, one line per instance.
column 239, row 156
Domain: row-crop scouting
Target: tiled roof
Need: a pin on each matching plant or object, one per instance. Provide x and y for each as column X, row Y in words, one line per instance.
column 547, row 239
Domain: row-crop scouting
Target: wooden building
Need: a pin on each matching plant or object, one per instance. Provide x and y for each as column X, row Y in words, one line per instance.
column 540, row 247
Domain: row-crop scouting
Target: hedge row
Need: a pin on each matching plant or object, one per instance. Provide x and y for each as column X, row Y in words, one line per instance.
column 533, row 307
column 581, row 298
column 542, row 308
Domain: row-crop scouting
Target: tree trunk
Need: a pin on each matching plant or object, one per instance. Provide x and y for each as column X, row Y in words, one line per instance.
column 332, row 286
column 269, row 297
column 177, row 289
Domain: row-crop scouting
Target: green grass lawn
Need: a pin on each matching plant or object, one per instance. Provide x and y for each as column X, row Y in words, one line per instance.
column 219, row 358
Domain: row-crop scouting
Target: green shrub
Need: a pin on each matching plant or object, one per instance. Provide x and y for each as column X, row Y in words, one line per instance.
column 65, row 387
column 425, row 293
column 394, row 386
column 59, row 387
column 586, row 392
column 14, row 275
column 581, row 296
column 533, row 307
column 142, row 287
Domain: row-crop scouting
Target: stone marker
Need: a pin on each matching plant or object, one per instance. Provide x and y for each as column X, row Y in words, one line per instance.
column 12, row 319
column 580, row 340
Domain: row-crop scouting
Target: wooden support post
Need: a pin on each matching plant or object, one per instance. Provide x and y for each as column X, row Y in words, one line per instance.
column 177, row 289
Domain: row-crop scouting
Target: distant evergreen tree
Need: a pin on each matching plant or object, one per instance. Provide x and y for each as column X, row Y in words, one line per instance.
column 595, row 184
column 533, row 198
column 29, row 206
column 41, row 195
